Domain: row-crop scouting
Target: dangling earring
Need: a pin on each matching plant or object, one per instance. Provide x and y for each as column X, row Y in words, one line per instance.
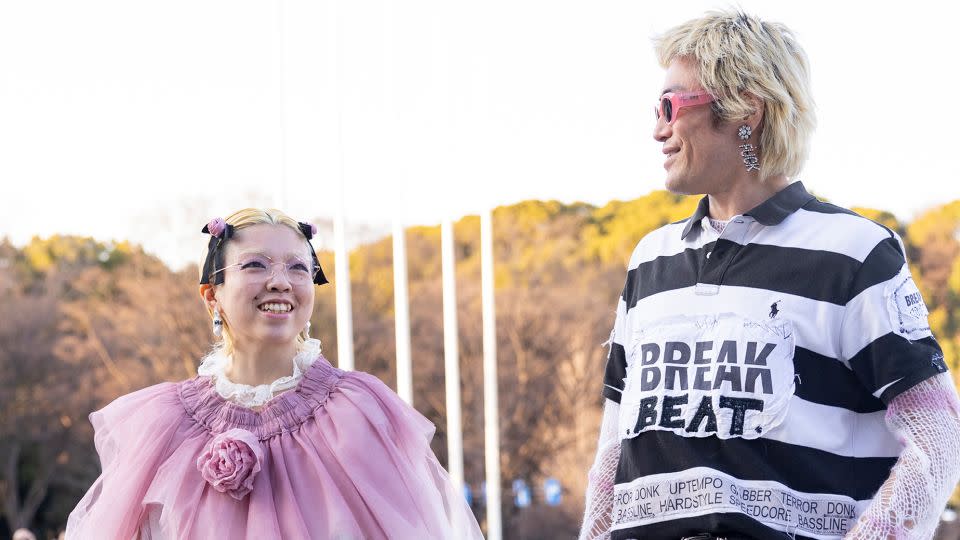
column 217, row 323
column 306, row 330
column 747, row 150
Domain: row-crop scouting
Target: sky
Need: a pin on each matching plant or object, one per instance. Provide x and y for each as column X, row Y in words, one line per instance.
column 142, row 120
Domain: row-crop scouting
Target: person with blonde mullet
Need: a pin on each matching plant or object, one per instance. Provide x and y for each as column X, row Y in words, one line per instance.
column 771, row 371
column 269, row 441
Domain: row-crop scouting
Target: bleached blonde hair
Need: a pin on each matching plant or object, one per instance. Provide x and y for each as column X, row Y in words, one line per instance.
column 242, row 219
column 739, row 56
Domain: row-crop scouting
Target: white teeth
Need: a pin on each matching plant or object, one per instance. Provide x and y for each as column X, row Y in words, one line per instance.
column 276, row 308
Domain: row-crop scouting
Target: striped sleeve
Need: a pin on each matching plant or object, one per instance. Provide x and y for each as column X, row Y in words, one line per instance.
column 616, row 371
column 885, row 336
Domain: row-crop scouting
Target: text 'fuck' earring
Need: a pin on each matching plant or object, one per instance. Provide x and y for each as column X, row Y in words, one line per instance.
column 217, row 323
column 747, row 151
column 306, row 330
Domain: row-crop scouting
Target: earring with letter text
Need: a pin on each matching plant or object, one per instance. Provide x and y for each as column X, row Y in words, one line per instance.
column 747, row 151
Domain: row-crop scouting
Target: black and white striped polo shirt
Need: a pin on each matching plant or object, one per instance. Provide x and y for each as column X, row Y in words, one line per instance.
column 752, row 368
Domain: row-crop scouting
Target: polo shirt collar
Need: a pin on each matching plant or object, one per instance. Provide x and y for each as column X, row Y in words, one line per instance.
column 770, row 212
column 703, row 209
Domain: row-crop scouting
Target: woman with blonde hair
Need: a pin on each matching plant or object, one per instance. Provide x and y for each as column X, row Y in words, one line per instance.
column 771, row 371
column 269, row 440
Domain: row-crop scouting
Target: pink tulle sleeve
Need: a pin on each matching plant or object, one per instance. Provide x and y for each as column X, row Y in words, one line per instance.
column 131, row 436
column 438, row 504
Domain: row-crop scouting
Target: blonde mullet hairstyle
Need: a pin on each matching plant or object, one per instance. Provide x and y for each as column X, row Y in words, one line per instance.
column 739, row 56
column 242, row 219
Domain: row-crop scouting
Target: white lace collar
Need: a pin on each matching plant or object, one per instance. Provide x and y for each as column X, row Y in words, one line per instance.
column 215, row 365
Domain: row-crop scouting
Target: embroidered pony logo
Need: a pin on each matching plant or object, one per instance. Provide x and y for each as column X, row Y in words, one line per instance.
column 775, row 308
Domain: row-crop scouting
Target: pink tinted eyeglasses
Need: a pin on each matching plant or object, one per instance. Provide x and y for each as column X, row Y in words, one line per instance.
column 671, row 103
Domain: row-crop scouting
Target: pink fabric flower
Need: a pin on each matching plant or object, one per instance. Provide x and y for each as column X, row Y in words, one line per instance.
column 313, row 229
column 216, row 226
column 230, row 461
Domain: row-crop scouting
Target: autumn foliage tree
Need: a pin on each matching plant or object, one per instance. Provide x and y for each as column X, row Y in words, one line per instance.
column 83, row 321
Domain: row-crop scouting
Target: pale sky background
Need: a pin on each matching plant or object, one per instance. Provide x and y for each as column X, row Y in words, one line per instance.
column 137, row 120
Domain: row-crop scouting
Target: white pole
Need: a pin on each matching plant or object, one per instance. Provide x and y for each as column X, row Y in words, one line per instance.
column 341, row 256
column 280, row 198
column 344, row 302
column 491, row 424
column 401, row 301
column 451, row 356
column 401, row 308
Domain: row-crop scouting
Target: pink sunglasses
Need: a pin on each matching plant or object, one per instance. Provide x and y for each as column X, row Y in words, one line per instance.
column 672, row 102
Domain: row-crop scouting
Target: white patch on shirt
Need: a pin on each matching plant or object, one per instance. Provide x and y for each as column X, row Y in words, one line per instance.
column 700, row 490
column 905, row 307
column 724, row 375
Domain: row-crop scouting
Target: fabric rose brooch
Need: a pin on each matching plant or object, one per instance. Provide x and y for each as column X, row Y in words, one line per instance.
column 231, row 461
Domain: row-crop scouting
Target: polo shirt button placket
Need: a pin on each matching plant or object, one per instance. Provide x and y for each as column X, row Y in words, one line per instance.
column 708, row 289
column 737, row 227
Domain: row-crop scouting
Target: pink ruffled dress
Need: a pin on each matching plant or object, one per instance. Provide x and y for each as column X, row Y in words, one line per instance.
column 337, row 456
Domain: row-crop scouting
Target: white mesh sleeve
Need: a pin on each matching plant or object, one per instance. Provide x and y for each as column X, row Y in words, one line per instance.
column 926, row 420
column 597, row 516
